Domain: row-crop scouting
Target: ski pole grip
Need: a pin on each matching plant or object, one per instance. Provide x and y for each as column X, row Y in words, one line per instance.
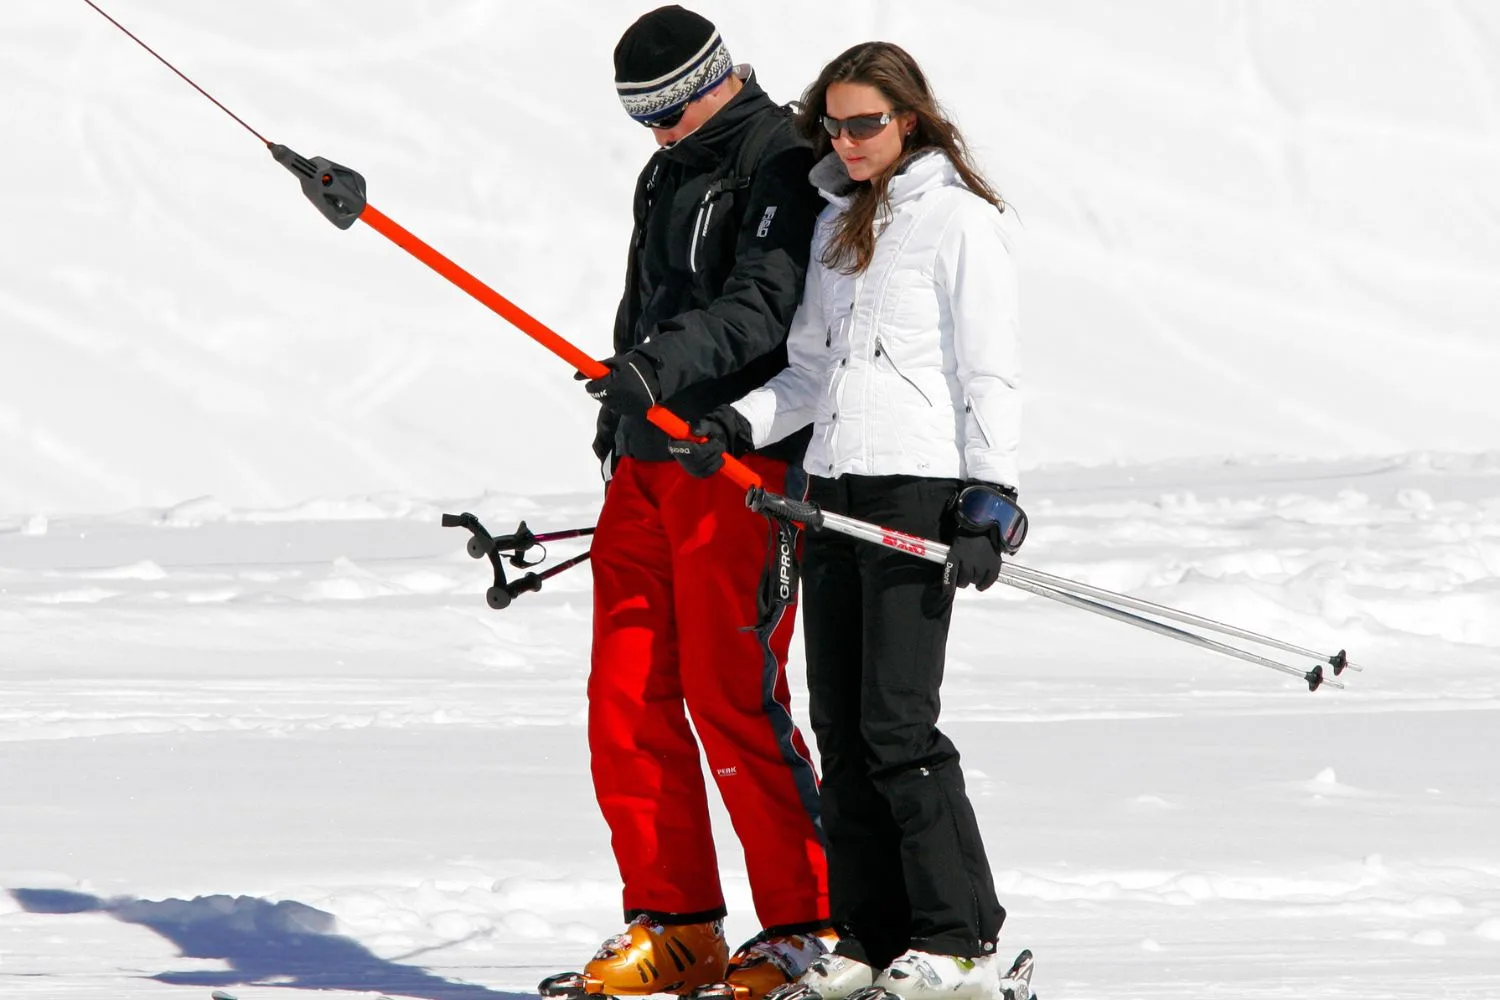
column 783, row 508
column 529, row 582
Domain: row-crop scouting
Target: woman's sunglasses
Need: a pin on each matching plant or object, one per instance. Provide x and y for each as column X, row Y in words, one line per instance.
column 858, row 127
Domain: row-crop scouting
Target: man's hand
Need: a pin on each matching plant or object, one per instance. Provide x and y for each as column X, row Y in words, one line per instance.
column 725, row 430
column 631, row 387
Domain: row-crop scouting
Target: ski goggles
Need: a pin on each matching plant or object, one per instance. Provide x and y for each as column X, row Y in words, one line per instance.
column 857, row 127
column 984, row 510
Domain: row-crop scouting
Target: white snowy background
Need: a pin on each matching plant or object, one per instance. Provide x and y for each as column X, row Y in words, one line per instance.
column 259, row 731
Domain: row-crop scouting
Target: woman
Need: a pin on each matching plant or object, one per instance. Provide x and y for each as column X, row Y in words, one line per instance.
column 903, row 356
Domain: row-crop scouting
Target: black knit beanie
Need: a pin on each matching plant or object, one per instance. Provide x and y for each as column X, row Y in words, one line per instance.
column 667, row 58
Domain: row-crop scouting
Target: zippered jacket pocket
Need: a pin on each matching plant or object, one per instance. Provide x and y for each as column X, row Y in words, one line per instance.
column 880, row 349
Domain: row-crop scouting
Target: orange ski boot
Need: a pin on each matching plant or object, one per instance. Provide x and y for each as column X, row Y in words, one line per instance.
column 767, row 961
column 648, row 957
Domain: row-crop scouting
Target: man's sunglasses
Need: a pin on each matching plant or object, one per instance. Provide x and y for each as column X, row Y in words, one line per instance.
column 670, row 119
column 858, row 127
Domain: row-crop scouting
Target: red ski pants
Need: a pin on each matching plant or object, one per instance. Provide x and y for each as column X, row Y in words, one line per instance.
column 677, row 562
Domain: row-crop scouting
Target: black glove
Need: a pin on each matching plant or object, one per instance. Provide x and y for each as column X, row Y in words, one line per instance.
column 631, row 387
column 725, row 430
column 971, row 559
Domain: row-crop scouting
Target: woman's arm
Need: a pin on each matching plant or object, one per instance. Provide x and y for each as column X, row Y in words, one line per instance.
column 789, row 401
column 975, row 268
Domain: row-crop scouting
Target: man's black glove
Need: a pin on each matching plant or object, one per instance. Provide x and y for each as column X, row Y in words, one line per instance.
column 724, row 430
column 631, row 387
column 972, row 559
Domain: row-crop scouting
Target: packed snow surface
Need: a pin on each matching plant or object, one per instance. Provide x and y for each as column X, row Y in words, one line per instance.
column 259, row 731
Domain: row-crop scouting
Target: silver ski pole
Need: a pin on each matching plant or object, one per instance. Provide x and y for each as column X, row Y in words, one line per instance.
column 1339, row 661
column 775, row 505
column 1313, row 677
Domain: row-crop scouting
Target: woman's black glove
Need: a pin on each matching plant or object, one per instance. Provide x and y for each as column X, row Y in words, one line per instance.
column 724, row 430
column 974, row 556
column 971, row 559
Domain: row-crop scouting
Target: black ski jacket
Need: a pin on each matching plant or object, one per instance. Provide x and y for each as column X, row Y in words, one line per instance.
column 723, row 228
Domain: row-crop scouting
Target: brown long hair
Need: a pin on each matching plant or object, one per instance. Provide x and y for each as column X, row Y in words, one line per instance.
column 892, row 71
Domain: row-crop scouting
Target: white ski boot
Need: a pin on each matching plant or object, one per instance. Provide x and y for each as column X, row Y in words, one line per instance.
column 921, row 975
column 1016, row 984
column 829, row 977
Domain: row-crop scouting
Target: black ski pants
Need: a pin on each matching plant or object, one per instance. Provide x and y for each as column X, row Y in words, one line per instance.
column 906, row 865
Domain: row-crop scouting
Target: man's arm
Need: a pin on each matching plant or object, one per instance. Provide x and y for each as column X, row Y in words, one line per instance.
column 751, row 316
column 609, row 420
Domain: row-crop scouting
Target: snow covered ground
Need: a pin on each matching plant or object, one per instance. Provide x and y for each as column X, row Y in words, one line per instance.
column 259, row 731
column 295, row 749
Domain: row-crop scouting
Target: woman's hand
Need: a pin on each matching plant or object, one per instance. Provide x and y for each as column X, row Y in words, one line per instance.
column 724, row 430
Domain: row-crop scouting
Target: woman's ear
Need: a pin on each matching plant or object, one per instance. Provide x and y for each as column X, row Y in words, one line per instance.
column 907, row 120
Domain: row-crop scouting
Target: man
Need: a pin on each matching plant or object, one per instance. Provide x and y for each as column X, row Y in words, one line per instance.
column 723, row 224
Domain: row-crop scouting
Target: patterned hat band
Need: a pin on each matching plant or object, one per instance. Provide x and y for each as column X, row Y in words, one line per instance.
column 651, row 99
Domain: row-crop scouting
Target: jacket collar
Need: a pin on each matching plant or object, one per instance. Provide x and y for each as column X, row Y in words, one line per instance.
column 924, row 172
column 717, row 138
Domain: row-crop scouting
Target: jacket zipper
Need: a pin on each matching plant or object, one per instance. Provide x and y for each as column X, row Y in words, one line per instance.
column 700, row 226
column 879, row 350
column 969, row 409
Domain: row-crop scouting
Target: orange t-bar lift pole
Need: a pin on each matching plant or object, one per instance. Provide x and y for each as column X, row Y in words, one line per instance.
column 339, row 193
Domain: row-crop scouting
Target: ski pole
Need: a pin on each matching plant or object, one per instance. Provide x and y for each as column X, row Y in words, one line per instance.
column 810, row 514
column 483, row 545
column 499, row 598
column 1314, row 677
column 1339, row 661
column 339, row 194
column 518, row 543
column 938, row 552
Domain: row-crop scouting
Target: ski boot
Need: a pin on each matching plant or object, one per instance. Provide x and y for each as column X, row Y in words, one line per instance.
column 1016, row 985
column 647, row 957
column 767, row 962
column 918, row 975
column 829, row 977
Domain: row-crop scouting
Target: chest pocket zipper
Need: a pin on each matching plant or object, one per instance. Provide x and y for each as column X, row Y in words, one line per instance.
column 705, row 215
column 879, row 350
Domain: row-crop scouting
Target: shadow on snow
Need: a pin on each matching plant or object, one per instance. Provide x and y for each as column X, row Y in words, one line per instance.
column 286, row 944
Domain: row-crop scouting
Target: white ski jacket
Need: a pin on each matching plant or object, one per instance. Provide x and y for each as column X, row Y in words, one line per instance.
column 911, row 367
